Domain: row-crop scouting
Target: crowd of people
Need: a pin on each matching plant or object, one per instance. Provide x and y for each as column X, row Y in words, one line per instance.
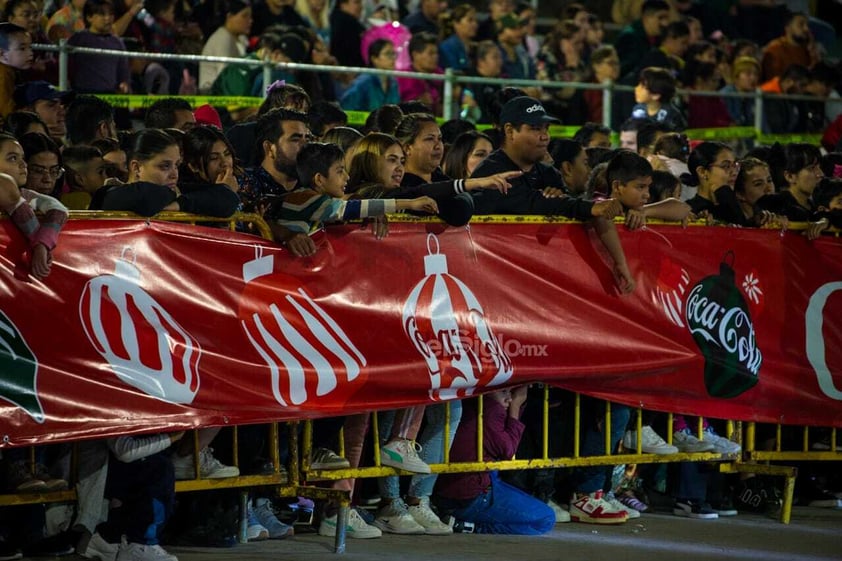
column 297, row 163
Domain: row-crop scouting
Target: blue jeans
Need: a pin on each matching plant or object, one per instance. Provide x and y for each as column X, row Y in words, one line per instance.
column 146, row 489
column 431, row 440
column 504, row 509
column 590, row 479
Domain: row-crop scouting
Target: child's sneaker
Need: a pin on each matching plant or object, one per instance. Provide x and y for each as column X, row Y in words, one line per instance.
column 693, row 509
column 630, row 512
column 263, row 513
column 98, row 548
column 686, row 442
column 324, row 458
column 721, row 444
column 209, row 467
column 633, row 502
column 143, row 552
column 395, row 519
column 650, row 442
column 19, row 479
column 403, row 454
column 594, row 509
column 255, row 531
column 561, row 515
column 355, row 528
column 424, row 515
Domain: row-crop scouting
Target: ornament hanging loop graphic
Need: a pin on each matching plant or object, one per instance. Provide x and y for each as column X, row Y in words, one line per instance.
column 446, row 324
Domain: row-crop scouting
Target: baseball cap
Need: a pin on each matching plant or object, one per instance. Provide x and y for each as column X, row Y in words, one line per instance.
column 207, row 115
column 29, row 92
column 525, row 110
column 293, row 47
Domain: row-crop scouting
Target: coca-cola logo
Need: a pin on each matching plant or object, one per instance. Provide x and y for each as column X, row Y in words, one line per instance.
column 728, row 328
column 718, row 317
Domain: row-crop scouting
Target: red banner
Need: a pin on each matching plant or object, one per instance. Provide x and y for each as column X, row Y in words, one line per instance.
column 148, row 327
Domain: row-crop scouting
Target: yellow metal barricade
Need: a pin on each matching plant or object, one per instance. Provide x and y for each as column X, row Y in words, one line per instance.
column 284, row 479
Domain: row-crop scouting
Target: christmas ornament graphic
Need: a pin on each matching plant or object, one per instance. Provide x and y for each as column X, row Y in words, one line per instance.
column 719, row 320
column 448, row 327
column 144, row 346
column 306, row 351
column 670, row 290
column 18, row 370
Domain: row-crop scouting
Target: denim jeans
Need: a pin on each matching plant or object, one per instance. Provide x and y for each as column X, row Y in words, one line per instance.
column 432, row 448
column 146, row 489
column 504, row 509
column 431, row 440
column 590, row 479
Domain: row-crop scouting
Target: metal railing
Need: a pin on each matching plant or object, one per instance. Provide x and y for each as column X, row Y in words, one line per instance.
column 449, row 78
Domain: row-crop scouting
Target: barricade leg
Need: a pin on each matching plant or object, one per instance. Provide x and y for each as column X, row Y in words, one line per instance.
column 341, row 524
column 243, row 536
column 789, row 474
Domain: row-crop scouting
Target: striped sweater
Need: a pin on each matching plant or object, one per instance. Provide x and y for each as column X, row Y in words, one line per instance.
column 305, row 210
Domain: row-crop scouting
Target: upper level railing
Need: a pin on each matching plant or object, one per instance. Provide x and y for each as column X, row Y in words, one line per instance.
column 449, row 78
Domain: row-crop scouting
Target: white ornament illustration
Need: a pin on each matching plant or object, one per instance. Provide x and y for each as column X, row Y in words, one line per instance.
column 143, row 344
column 670, row 290
column 296, row 338
column 448, row 327
column 751, row 287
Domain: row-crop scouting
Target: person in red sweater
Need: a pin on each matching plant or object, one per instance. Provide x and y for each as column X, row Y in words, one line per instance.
column 796, row 46
column 494, row 507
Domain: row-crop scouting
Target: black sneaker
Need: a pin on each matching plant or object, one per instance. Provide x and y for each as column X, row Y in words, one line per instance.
column 8, row 551
column 693, row 509
column 724, row 506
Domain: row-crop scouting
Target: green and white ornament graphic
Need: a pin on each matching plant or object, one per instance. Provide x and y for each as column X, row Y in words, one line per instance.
column 18, row 370
column 719, row 319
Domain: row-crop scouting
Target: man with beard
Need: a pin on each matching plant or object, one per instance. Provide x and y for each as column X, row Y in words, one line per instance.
column 794, row 47
column 279, row 136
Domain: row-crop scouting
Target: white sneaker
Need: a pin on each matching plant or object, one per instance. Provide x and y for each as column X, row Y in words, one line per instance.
column 630, row 512
column 651, row 443
column 594, row 509
column 209, row 467
column 686, row 442
column 355, row 528
column 403, row 454
column 561, row 515
column 98, row 548
column 424, row 515
column 143, row 552
column 720, row 443
column 395, row 519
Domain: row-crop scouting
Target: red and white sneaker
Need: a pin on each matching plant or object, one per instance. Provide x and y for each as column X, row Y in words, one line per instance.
column 594, row 509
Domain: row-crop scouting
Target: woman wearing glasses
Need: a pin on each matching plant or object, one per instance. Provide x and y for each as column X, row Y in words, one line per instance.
column 43, row 162
column 713, row 167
